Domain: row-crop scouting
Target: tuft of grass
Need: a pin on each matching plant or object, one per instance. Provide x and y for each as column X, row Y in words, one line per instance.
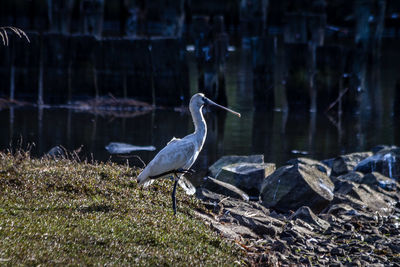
column 61, row 211
column 4, row 36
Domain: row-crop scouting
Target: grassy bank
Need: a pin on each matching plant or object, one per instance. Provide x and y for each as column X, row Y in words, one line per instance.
column 67, row 212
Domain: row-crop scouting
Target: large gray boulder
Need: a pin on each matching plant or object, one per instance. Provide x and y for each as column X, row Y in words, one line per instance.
column 246, row 176
column 346, row 163
column 291, row 187
column 386, row 162
column 228, row 160
column 362, row 197
column 311, row 162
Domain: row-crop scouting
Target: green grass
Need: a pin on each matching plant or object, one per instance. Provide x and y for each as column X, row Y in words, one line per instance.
column 64, row 212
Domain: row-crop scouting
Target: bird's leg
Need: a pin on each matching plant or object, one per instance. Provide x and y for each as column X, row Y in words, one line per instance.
column 174, row 196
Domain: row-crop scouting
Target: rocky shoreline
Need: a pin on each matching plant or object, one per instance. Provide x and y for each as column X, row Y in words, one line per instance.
column 341, row 211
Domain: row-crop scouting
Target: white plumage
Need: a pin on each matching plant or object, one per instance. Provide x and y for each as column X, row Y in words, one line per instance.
column 178, row 154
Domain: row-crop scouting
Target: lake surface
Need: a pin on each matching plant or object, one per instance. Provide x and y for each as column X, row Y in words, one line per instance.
column 278, row 136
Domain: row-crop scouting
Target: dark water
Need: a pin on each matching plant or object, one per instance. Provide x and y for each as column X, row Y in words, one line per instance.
column 279, row 136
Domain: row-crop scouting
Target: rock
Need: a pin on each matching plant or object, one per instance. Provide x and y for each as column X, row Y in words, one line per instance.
column 56, row 152
column 341, row 208
column 311, row 162
column 376, row 179
column 225, row 231
column 227, row 160
column 223, row 188
column 299, row 232
column 280, row 246
column 344, row 186
column 395, row 248
column 349, row 227
column 260, row 225
column 359, row 226
column 291, row 187
column 386, row 161
column 248, row 219
column 328, row 162
column 246, row 176
column 361, row 197
column 226, row 202
column 304, row 213
column 337, row 251
column 352, row 177
column 123, row 148
column 346, row 163
column 378, row 148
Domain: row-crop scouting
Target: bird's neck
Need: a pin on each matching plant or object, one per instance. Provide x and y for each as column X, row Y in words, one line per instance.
column 199, row 123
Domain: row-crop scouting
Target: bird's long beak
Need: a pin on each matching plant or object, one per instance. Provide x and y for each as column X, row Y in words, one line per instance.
column 227, row 109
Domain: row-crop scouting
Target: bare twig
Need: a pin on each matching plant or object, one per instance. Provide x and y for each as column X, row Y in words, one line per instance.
column 337, row 99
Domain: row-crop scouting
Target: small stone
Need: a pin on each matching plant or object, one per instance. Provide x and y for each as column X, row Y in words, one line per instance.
column 304, row 213
column 351, row 176
column 395, row 248
column 280, row 246
column 354, row 250
column 336, row 264
column 223, row 188
column 349, row 227
column 337, row 251
column 290, row 240
column 321, row 250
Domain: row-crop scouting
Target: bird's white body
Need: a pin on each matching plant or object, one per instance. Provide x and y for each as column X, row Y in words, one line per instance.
column 180, row 153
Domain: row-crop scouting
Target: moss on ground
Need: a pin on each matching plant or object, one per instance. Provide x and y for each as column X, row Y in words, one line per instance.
column 65, row 212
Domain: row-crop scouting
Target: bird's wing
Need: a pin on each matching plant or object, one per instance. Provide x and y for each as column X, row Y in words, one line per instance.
column 172, row 157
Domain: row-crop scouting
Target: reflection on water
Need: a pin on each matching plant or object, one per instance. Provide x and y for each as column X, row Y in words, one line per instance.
column 279, row 136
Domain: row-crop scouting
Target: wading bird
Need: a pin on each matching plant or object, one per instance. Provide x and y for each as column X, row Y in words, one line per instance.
column 178, row 156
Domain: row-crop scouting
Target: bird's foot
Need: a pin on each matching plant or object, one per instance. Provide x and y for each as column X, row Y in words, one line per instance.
column 184, row 171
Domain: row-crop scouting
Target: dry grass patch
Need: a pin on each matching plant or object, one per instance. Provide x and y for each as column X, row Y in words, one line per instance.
column 69, row 212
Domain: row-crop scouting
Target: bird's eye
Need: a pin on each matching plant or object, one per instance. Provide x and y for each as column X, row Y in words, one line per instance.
column 205, row 100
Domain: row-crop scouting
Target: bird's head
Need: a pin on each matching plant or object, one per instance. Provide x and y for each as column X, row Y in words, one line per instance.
column 198, row 100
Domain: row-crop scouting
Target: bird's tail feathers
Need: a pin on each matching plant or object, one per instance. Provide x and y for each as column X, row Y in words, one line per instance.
column 143, row 178
column 187, row 186
column 148, row 182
